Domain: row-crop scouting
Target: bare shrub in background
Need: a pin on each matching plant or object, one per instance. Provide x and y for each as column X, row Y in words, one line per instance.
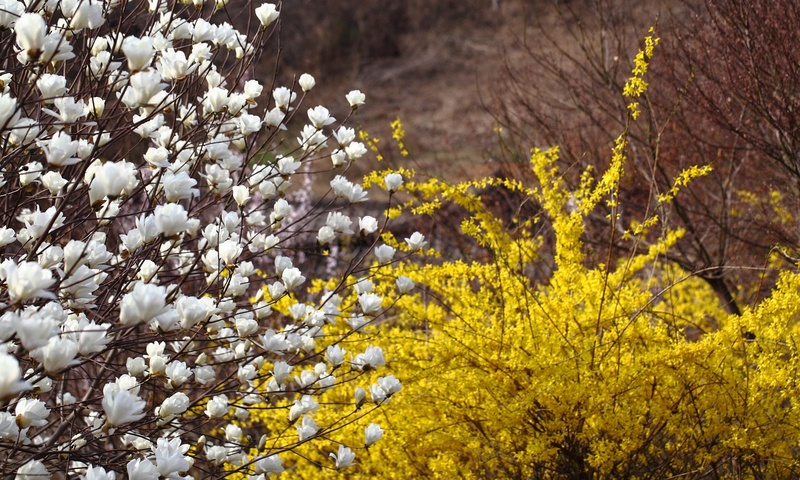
column 720, row 96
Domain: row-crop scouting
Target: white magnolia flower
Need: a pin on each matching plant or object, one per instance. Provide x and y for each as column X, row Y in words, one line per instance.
column 235, row 286
column 384, row 253
column 89, row 336
column 7, row 236
column 246, row 327
column 25, row 130
column 173, row 405
column 355, row 98
column 325, row 235
column 9, row 111
column 292, row 278
column 241, row 195
column 111, row 180
column 60, row 150
column 286, row 166
column 143, row 87
column 26, row 281
column 98, row 473
column 370, row 303
column 344, row 458
column 282, row 263
column 360, row 397
column 172, row 219
column 307, row 428
column 100, row 64
column 157, row 362
column 335, row 355
column 218, row 178
column 344, row 135
column 320, row 116
column 218, row 454
column 390, row 385
column 9, row 430
column 145, row 302
column 39, row 223
column 303, row 406
column 193, row 310
column 170, row 457
column 10, row 11
column 79, row 287
column 280, row 371
column 339, row 222
column 204, row 374
column 372, row 433
column 356, row 321
column 393, row 181
column 141, row 469
column 53, row 182
column 121, row 406
column 416, row 241
column 217, row 407
column 306, row 82
column 29, row 173
column 58, row 354
column 69, row 110
column 96, row 107
column 56, row 48
column 377, row 394
column 363, row 285
column 266, row 14
column 139, row 52
column 274, row 118
column 233, row 433
column 83, row 14
column 269, row 465
column 229, row 251
column 404, row 284
column 367, row 225
column 178, row 373
column 371, row 358
column 252, row 89
column 31, row 413
column 344, row 188
column 355, row 150
column 34, row 328
column 215, row 100
column 51, row 87
column 136, row 366
column 33, row 470
column 179, row 186
column 31, row 30
column 173, row 65
column 157, row 157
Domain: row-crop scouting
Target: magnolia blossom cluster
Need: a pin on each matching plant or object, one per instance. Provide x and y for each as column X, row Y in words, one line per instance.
column 155, row 276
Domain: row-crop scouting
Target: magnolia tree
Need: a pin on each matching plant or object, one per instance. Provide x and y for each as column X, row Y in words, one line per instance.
column 158, row 235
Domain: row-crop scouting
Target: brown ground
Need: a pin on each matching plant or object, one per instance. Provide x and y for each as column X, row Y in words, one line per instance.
column 436, row 64
column 434, row 68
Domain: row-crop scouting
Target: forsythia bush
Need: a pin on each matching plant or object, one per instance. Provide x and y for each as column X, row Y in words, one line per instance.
column 591, row 375
column 166, row 270
column 625, row 370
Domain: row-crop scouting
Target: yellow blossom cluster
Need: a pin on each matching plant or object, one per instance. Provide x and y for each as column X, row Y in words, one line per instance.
column 626, row 370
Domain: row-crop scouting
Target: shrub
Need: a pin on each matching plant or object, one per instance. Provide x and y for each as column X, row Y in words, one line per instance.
column 597, row 372
column 164, row 243
column 720, row 97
